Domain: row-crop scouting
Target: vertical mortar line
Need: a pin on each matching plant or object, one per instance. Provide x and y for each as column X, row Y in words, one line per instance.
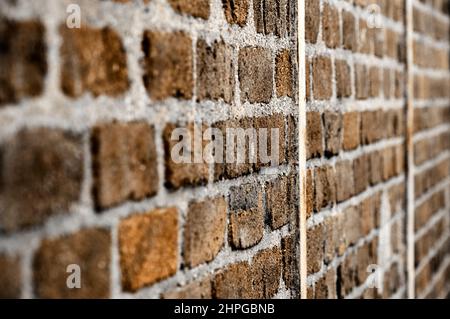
column 302, row 145
column 410, row 150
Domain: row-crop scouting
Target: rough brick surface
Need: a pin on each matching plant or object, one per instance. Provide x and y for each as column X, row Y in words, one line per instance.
column 89, row 249
column 204, row 232
column 236, row 11
column 42, row 175
column 278, row 202
column 197, row 8
column 195, row 290
column 322, row 78
column 148, row 245
column 283, row 74
column 10, row 277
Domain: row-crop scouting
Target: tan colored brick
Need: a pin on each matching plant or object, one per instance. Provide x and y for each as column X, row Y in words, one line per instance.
column 349, row 31
column 330, row 26
column 314, row 135
column 361, row 173
column 204, row 232
column 333, row 133
column 90, row 249
column 344, row 181
column 325, row 288
column 168, row 65
column 351, row 134
column 362, row 82
column 322, row 78
column 197, row 8
column 236, row 11
column 195, row 290
column 233, row 282
column 343, row 79
column 312, row 20
column 290, row 266
column 10, row 277
column 278, row 205
column 324, row 187
column 42, row 176
column 283, row 74
column 266, row 272
column 374, row 75
column 272, row 17
column 93, row 60
column 148, row 246
column 315, row 240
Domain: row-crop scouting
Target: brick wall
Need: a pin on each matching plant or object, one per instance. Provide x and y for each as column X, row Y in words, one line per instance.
column 87, row 176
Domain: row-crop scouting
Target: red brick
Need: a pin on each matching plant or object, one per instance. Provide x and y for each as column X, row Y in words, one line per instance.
column 90, row 249
column 204, row 232
column 93, row 60
column 330, row 26
column 236, row 11
column 255, row 74
column 215, row 71
column 42, row 176
column 283, row 74
column 168, row 70
column 148, row 245
column 23, row 48
column 10, row 277
column 197, row 8
column 322, row 78
column 124, row 163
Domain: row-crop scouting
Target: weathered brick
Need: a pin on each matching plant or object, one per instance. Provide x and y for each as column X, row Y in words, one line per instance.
column 325, row 288
column 374, row 75
column 324, row 187
column 290, row 266
column 361, row 173
column 312, row 20
column 215, row 71
column 204, row 232
column 349, row 31
column 333, row 132
column 266, row 272
column 255, row 74
column 283, row 74
column 90, row 249
column 246, row 225
column 180, row 172
column 23, row 61
column 308, row 78
column 315, row 240
column 314, row 139
column 197, row 8
column 361, row 81
column 233, row 282
column 124, row 163
column 195, row 290
column 310, row 196
column 168, row 65
column 42, row 176
column 148, row 246
column 93, row 60
column 236, row 11
column 369, row 214
column 331, row 32
column 278, row 204
column 351, row 134
column 272, row 16
column 387, row 83
column 344, row 180
column 376, row 167
column 10, row 277
column 322, row 78
column 372, row 126
column 343, row 79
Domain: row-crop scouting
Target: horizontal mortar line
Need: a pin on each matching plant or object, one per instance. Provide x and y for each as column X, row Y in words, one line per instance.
column 429, row 41
column 318, row 218
column 433, row 103
column 74, row 221
column 356, row 153
column 442, row 157
column 436, row 278
column 442, row 185
column 431, row 72
column 351, row 104
column 432, row 132
column 429, row 9
column 337, row 261
column 437, row 217
column 432, row 252
column 358, row 291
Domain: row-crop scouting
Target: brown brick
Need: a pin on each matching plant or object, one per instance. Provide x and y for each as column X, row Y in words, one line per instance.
column 283, row 74
column 361, row 171
column 168, row 65
column 90, row 249
column 148, row 246
column 351, row 135
column 308, row 78
column 236, row 11
column 333, row 132
column 310, row 197
column 315, row 240
column 344, row 181
column 266, row 272
column 93, row 60
column 312, row 20
column 124, row 163
column 215, row 71
column 349, row 31
column 343, row 79
column 276, row 121
column 204, row 232
column 369, row 214
column 331, row 32
column 188, row 173
column 10, row 277
column 23, row 60
column 372, row 126
column 388, row 163
column 351, row 225
column 278, row 204
column 197, row 8
column 246, row 225
column 255, row 74
column 387, row 83
column 233, row 282
column 324, row 187
column 195, row 290
column 325, row 288
column 290, row 266
column 314, row 139
column 376, row 167
column 272, row 16
column 362, row 82
column 42, row 176
column 374, row 75
column 322, row 78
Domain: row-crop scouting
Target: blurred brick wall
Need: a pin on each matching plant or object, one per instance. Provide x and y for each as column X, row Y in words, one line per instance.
column 87, row 178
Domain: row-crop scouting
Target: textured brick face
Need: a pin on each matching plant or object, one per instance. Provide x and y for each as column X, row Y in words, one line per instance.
column 10, row 277
column 168, row 65
column 278, row 202
column 322, row 78
column 89, row 249
column 23, row 61
column 93, row 60
column 272, row 16
column 124, row 163
column 204, row 231
column 283, row 74
column 255, row 74
column 42, row 173
column 196, row 8
column 236, row 11
column 148, row 247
